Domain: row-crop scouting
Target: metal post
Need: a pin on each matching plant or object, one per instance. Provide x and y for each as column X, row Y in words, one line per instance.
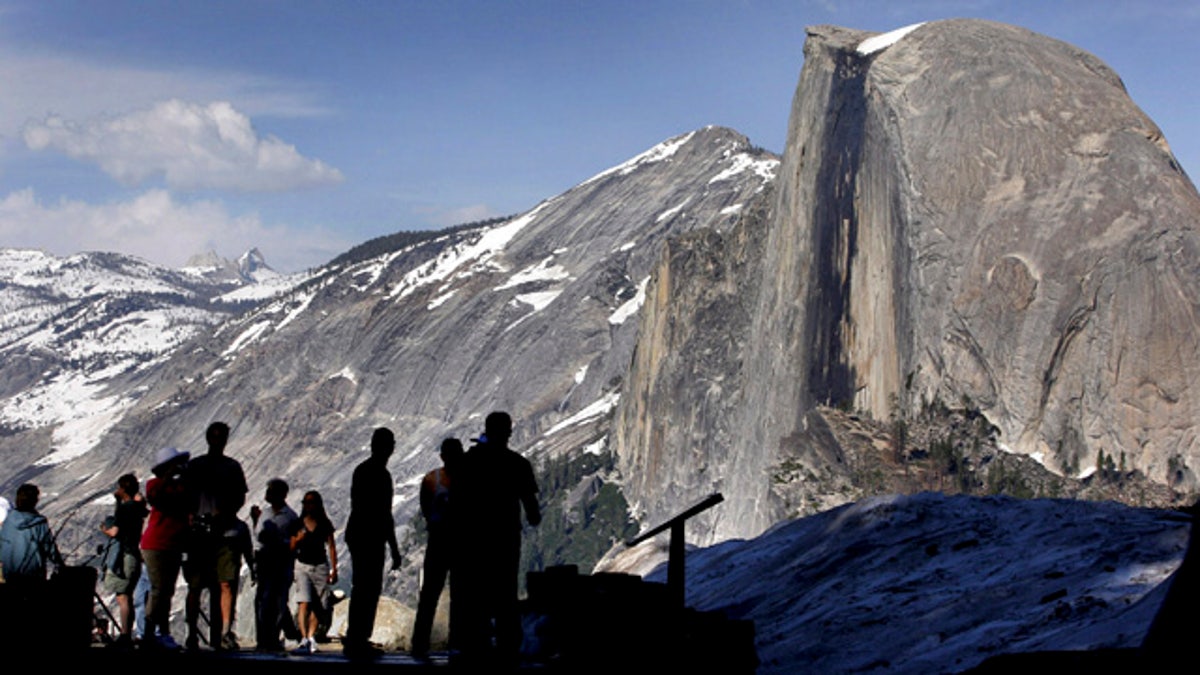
column 675, row 567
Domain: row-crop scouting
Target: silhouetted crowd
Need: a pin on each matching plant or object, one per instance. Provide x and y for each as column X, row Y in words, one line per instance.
column 186, row 522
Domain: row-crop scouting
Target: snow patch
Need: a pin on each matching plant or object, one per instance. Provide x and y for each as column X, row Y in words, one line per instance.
column 543, row 271
column 270, row 286
column 73, row 402
column 440, row 300
column 538, row 301
column 672, row 211
column 479, row 253
column 661, row 152
column 631, row 307
column 596, row 448
column 602, row 407
column 881, row 42
column 742, row 162
column 247, row 337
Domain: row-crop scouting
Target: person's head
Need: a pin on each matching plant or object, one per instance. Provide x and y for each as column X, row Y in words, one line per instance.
column 27, row 498
column 127, row 486
column 383, row 442
column 498, row 428
column 277, row 492
column 451, row 451
column 217, row 436
column 169, row 461
column 312, row 505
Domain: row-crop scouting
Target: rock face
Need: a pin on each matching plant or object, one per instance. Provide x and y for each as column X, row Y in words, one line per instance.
column 967, row 213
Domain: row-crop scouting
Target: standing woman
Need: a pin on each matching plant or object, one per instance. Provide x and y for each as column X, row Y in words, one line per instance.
column 164, row 541
column 315, row 571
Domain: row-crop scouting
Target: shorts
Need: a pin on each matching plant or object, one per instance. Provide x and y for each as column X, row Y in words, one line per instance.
column 228, row 564
column 200, row 562
column 122, row 581
column 312, row 584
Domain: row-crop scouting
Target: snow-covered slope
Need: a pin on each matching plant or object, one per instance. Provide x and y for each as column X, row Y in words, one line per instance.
column 81, row 335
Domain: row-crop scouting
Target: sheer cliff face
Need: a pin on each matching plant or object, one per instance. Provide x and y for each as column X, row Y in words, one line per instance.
column 969, row 213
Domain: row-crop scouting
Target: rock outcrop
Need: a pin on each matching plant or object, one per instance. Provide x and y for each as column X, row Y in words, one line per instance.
column 967, row 214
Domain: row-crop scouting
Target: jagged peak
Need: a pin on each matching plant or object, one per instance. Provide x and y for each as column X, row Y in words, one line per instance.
column 209, row 258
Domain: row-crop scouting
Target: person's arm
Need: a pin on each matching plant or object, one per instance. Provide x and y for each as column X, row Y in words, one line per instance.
column 297, row 537
column 426, row 496
column 393, row 545
column 533, row 513
column 332, row 558
column 529, row 497
column 248, row 554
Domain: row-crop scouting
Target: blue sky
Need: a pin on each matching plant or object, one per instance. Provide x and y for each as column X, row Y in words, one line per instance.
column 163, row 129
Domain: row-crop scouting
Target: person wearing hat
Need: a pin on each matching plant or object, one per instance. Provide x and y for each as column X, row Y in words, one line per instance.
column 165, row 540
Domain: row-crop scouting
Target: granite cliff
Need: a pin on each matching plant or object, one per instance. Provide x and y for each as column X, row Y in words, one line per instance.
column 968, row 214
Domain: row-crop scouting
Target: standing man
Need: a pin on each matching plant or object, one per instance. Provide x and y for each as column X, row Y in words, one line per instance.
column 218, row 487
column 274, row 560
column 369, row 530
column 435, row 507
column 497, row 483
column 124, row 567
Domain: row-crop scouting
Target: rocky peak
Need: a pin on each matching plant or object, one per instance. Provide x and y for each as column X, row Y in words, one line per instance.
column 249, row 268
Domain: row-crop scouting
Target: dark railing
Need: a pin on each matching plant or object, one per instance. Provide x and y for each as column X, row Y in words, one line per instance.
column 676, row 551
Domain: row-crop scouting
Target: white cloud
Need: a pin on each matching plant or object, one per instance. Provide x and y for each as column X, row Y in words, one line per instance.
column 191, row 146
column 157, row 227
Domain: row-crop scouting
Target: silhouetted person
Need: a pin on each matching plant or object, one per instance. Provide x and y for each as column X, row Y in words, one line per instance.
column 272, row 535
column 316, row 569
column 26, row 544
column 435, row 508
column 218, row 487
column 497, row 483
column 165, row 541
column 369, row 531
column 124, row 559
column 26, row 548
